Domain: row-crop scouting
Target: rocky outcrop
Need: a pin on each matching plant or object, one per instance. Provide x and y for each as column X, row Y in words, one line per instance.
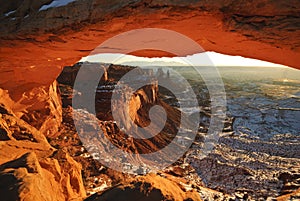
column 139, row 103
column 29, row 165
column 149, row 188
column 18, row 138
column 67, row 173
column 32, row 179
column 290, row 196
column 47, row 115
column 39, row 106
column 24, row 179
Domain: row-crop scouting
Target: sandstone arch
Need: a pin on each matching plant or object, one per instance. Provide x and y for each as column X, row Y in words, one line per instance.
column 35, row 45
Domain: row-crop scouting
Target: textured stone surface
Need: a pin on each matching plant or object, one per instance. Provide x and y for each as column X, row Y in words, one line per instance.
column 30, row 169
column 149, row 188
column 39, row 106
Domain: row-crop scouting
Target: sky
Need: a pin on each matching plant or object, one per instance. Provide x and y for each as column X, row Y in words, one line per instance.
column 200, row 59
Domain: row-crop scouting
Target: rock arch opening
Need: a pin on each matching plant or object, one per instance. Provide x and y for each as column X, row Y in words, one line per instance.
column 37, row 41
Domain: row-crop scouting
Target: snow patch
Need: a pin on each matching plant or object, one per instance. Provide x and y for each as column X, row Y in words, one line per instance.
column 56, row 3
column 9, row 13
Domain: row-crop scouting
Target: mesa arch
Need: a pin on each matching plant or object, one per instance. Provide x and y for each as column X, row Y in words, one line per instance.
column 36, row 45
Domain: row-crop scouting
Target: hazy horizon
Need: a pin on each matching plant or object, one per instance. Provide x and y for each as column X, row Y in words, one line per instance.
column 201, row 59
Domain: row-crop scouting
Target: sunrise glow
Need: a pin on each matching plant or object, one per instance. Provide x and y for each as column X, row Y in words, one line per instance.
column 201, row 59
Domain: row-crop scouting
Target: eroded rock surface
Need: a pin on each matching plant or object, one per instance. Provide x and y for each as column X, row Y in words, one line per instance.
column 30, row 168
column 149, row 188
column 39, row 106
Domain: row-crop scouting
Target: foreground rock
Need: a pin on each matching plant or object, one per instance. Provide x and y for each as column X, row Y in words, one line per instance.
column 38, row 105
column 148, row 188
column 30, row 169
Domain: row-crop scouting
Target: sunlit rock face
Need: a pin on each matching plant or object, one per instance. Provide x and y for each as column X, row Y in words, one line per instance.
column 149, row 188
column 40, row 106
column 114, row 94
column 31, row 169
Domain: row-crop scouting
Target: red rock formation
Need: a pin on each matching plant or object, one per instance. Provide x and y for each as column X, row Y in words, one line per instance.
column 149, row 188
column 29, row 165
column 290, row 196
column 40, row 106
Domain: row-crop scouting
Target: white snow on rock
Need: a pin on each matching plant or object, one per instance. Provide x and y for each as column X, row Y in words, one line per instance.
column 56, row 3
column 9, row 13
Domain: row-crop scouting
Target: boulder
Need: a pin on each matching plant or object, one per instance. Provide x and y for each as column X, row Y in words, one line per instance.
column 148, row 188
